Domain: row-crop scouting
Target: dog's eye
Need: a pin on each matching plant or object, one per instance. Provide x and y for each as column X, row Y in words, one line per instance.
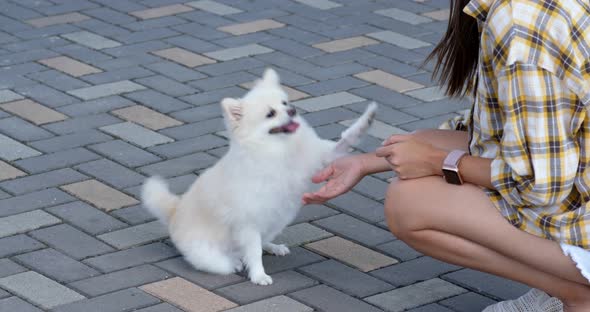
column 271, row 114
column 285, row 103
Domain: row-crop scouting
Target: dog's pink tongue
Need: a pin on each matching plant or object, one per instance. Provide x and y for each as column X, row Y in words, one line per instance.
column 292, row 126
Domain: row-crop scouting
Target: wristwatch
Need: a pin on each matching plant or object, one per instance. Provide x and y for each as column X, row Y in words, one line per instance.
column 451, row 167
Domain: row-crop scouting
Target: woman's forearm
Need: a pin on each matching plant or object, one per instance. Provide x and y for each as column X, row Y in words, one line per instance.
column 373, row 164
column 473, row 169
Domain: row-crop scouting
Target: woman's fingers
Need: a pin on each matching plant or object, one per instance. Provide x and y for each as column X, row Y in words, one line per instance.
column 383, row 151
column 394, row 139
column 323, row 175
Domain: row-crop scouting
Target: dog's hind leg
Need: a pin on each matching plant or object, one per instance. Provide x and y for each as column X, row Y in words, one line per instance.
column 208, row 258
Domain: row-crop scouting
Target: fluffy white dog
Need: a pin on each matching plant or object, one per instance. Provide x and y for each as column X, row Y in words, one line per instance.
column 236, row 208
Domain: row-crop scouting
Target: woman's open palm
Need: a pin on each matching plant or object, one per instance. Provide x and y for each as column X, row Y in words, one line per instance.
column 342, row 175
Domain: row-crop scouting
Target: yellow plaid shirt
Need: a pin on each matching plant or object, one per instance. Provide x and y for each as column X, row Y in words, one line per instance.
column 530, row 113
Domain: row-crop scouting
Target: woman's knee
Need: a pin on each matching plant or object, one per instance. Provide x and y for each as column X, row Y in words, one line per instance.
column 402, row 215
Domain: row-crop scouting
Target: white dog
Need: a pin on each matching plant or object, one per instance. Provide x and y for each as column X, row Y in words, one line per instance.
column 236, row 208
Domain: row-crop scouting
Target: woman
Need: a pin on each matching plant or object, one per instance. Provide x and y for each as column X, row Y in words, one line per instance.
column 525, row 201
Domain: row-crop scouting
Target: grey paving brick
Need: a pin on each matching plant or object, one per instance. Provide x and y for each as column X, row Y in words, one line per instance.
column 158, row 101
column 177, row 185
column 300, row 234
column 439, row 107
column 123, row 279
column 71, row 241
column 70, row 141
column 124, row 300
column 310, row 213
column 385, row 96
column 166, row 85
column 56, row 265
column 179, row 166
column 25, row 222
column 39, row 289
column 118, row 75
column 231, row 66
column 125, row 153
column 327, row 101
column 433, row 307
column 111, row 88
column 12, row 150
column 189, row 146
column 487, row 284
column 468, row 302
column 399, row 250
column 16, row 304
column 18, row 244
column 46, row 95
column 282, row 303
column 110, row 15
column 333, row 86
column 133, row 215
column 189, row 42
column 135, row 235
column 132, row 257
column 433, row 122
column 372, row 187
column 33, row 55
column 223, row 81
column 214, row 7
column 9, row 267
column 404, row 16
column 9, row 96
column 355, row 229
column 162, row 307
column 283, row 283
column 32, row 201
column 325, row 298
column 407, row 297
column 56, row 160
column 175, row 71
column 58, row 80
column 86, row 217
column 183, row 269
column 127, row 61
column 398, row 39
column 136, row 134
column 346, row 279
column 111, row 173
column 214, row 96
column 412, row 271
column 100, row 105
column 91, row 40
column 359, row 206
column 42, row 181
column 22, row 130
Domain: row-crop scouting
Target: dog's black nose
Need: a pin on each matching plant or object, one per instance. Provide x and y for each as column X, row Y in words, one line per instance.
column 292, row 112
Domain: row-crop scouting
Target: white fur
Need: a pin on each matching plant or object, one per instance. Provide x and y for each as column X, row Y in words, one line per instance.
column 236, row 208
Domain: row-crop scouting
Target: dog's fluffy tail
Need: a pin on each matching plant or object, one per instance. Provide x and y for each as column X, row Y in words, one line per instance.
column 353, row 134
column 158, row 199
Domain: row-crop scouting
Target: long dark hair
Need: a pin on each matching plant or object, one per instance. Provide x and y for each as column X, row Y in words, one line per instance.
column 456, row 54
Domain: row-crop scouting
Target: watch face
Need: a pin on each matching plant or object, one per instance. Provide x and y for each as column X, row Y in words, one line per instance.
column 452, row 177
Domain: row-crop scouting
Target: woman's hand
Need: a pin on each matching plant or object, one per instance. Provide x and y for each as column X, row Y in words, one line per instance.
column 411, row 158
column 342, row 174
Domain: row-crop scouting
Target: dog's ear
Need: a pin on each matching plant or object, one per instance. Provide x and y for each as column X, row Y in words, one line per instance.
column 270, row 77
column 232, row 111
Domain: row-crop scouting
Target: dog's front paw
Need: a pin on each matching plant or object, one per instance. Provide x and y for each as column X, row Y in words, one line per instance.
column 261, row 279
column 277, row 250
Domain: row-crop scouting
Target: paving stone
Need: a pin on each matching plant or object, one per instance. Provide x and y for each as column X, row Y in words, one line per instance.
column 179, row 166
column 70, row 66
column 325, row 298
column 415, row 295
column 468, row 302
column 100, row 195
column 55, row 160
column 439, row 15
column 18, row 244
column 22, row 130
column 251, row 27
column 25, row 222
column 162, row 307
column 300, row 233
column 100, row 105
column 238, row 52
column 39, row 289
column 398, row 39
column 167, row 86
column 86, row 217
column 136, row 134
column 296, row 258
column 187, row 295
column 57, row 19
column 487, row 284
column 310, row 213
column 278, row 303
column 46, row 95
column 91, row 40
column 180, row 267
column 320, row 4
column 124, row 300
column 162, row 11
column 345, row 278
column 107, row 89
column 157, row 101
column 8, row 172
column 71, row 241
column 214, row 7
column 404, row 16
column 284, row 282
column 355, row 230
column 189, row 146
column 379, row 130
column 350, row 253
column 433, row 307
column 412, row 271
column 359, row 206
column 9, row 267
column 42, row 181
column 112, row 173
column 56, row 265
column 428, row 94
column 327, row 101
column 389, row 81
column 123, row 279
column 132, row 257
column 146, row 117
column 136, row 235
column 345, row 44
column 333, row 86
column 16, row 304
column 175, row 71
column 12, row 150
column 125, row 153
column 399, row 250
column 184, row 57
column 65, row 142
column 9, row 96
column 113, row 75
column 32, row 201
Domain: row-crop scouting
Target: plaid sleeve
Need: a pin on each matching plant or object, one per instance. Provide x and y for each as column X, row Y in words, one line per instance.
column 538, row 157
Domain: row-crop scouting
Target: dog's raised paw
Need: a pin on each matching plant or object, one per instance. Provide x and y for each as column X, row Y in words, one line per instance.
column 277, row 250
column 261, row 279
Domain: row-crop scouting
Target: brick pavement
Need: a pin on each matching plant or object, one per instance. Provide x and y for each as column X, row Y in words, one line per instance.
column 95, row 95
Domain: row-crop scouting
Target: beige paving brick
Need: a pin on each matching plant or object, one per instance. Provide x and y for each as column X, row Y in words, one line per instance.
column 70, row 66
column 33, row 111
column 162, row 11
column 351, row 253
column 345, row 44
column 8, row 172
column 184, row 57
column 100, row 195
column 187, row 296
column 58, row 19
column 293, row 94
column 146, row 117
column 251, row 27
column 440, row 15
column 389, row 81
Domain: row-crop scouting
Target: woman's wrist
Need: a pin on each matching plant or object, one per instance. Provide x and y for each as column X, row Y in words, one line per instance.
column 370, row 163
column 436, row 161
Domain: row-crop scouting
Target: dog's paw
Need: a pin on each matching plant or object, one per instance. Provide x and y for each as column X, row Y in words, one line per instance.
column 277, row 250
column 238, row 266
column 261, row 279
